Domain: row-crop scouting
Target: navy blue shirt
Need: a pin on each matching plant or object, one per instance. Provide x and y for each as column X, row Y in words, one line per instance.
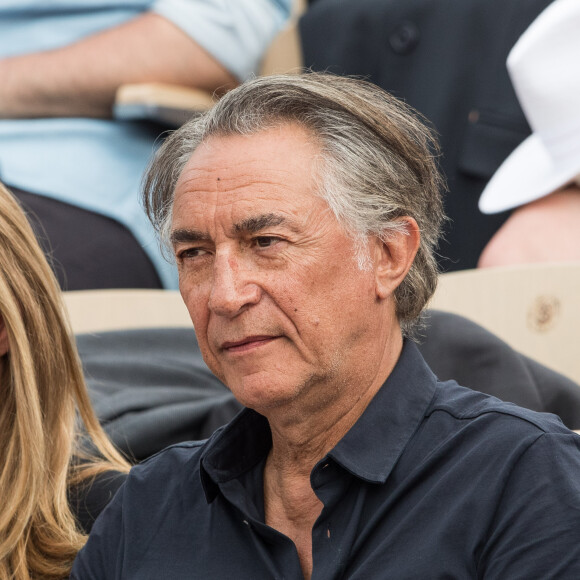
column 433, row 481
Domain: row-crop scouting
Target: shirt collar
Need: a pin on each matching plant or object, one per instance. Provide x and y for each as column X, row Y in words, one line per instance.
column 375, row 442
column 369, row 450
column 234, row 449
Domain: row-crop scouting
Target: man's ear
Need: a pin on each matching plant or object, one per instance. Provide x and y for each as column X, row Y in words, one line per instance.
column 395, row 256
column 4, row 346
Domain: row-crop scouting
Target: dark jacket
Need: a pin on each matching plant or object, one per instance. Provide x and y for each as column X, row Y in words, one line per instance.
column 447, row 59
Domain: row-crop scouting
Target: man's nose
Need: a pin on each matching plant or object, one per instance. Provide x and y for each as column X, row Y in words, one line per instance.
column 233, row 288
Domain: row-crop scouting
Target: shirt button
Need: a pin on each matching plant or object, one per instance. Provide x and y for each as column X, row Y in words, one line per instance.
column 473, row 116
column 404, row 38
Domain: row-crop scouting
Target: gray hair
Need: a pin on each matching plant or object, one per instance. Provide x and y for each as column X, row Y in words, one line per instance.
column 377, row 162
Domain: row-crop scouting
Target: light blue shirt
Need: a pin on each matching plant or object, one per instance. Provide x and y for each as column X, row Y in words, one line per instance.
column 98, row 164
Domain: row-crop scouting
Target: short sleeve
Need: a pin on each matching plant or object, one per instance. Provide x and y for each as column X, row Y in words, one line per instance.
column 101, row 557
column 88, row 498
column 235, row 32
column 536, row 530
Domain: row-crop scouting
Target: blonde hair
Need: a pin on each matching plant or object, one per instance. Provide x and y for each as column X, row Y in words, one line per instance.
column 42, row 386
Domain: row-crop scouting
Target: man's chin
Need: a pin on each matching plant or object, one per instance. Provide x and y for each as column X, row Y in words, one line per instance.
column 262, row 391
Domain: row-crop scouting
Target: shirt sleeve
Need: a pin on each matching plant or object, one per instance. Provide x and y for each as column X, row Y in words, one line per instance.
column 101, row 557
column 234, row 32
column 88, row 498
column 536, row 529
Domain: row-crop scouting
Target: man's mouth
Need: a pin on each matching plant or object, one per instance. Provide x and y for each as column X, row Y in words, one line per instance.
column 247, row 343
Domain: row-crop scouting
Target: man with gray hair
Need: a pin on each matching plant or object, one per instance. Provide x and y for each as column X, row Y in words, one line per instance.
column 303, row 213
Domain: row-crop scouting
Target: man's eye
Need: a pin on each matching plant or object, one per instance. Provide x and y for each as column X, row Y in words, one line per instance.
column 191, row 253
column 265, row 241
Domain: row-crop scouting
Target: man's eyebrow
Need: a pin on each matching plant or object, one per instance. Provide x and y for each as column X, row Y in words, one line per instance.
column 255, row 224
column 186, row 235
column 249, row 225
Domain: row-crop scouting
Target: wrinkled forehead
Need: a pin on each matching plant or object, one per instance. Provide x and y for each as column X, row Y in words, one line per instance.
column 283, row 147
column 224, row 164
column 273, row 167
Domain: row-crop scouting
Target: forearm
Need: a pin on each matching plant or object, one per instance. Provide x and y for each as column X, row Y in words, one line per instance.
column 545, row 230
column 81, row 79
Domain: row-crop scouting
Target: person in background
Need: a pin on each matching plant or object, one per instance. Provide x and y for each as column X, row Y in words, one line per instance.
column 54, row 477
column 541, row 178
column 447, row 60
column 73, row 167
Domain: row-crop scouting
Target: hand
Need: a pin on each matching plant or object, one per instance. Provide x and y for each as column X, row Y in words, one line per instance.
column 545, row 230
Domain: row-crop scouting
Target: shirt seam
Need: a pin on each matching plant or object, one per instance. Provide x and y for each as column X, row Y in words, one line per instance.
column 505, row 412
column 182, row 445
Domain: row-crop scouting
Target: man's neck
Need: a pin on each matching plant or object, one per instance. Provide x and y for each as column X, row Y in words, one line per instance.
column 299, row 441
column 304, row 431
column 290, row 504
column 292, row 508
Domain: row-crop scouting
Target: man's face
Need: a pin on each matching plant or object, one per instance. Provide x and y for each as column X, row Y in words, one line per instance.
column 281, row 310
